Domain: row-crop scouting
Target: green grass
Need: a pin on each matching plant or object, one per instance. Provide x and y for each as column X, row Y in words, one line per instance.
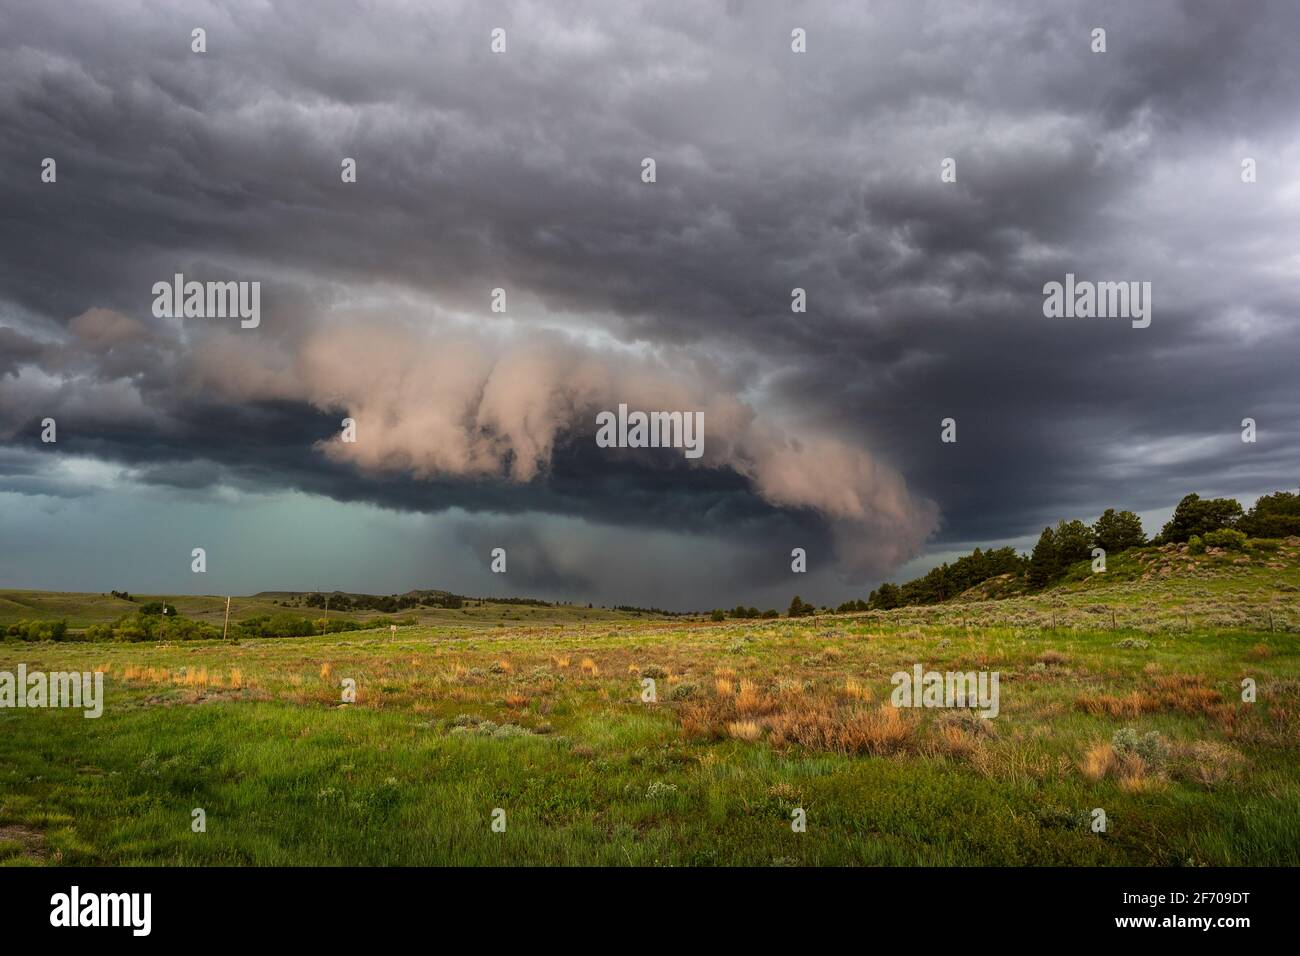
column 287, row 774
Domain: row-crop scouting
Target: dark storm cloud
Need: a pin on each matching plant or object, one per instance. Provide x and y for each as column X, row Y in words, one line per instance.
column 775, row 171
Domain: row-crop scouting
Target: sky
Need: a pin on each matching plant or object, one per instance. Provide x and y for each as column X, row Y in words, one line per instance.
column 522, row 170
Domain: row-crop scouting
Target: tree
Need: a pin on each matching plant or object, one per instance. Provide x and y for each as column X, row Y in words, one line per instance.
column 1117, row 531
column 1073, row 543
column 799, row 609
column 1044, row 563
column 884, row 598
column 1273, row 516
column 1199, row 516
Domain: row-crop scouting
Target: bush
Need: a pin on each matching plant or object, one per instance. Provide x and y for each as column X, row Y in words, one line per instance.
column 1195, row 545
column 1151, row 747
column 279, row 625
column 1229, row 538
column 38, row 630
column 682, row 692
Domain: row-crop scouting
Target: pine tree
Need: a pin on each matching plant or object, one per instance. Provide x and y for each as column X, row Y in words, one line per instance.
column 1044, row 562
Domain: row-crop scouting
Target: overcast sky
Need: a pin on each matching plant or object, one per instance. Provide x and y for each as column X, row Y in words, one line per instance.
column 522, row 170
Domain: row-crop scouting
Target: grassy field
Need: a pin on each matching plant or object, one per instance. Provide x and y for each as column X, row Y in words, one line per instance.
column 544, row 719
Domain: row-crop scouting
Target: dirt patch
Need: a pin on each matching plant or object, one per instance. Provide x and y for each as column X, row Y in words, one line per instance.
column 31, row 841
column 180, row 697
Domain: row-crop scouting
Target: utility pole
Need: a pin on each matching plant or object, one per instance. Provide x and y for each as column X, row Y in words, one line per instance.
column 226, row 627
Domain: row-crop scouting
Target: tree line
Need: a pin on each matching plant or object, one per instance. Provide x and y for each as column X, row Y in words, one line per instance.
column 1197, row 521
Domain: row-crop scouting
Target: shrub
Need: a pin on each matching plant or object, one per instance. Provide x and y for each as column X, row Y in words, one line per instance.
column 1151, row 747
column 1229, row 538
column 38, row 630
column 1195, row 545
column 682, row 692
column 155, row 608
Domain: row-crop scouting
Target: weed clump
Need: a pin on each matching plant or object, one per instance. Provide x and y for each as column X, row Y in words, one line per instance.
column 467, row 725
column 1133, row 643
column 658, row 790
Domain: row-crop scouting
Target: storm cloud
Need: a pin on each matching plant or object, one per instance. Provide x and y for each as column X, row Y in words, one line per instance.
column 775, row 170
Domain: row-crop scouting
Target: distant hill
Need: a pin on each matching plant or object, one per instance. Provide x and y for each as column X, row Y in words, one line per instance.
column 1150, row 588
column 82, row 609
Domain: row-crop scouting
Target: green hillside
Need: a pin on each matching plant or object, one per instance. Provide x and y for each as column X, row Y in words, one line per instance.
column 81, row 610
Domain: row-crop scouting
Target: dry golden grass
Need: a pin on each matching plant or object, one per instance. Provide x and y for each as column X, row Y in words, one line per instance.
column 589, row 668
column 1184, row 693
column 196, row 677
column 1129, row 770
column 457, row 672
column 951, row 740
column 561, row 662
column 1098, row 761
column 723, row 687
column 515, row 700
column 1111, row 705
column 857, row 731
column 788, row 688
column 326, row 670
column 749, row 700
column 151, row 675
column 745, row 729
column 856, row 690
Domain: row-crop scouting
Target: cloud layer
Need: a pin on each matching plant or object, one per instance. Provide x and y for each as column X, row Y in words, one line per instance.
column 521, row 171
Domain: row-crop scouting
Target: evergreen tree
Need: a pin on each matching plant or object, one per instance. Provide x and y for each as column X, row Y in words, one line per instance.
column 1199, row 516
column 1073, row 543
column 1044, row 564
column 1117, row 531
column 1273, row 516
